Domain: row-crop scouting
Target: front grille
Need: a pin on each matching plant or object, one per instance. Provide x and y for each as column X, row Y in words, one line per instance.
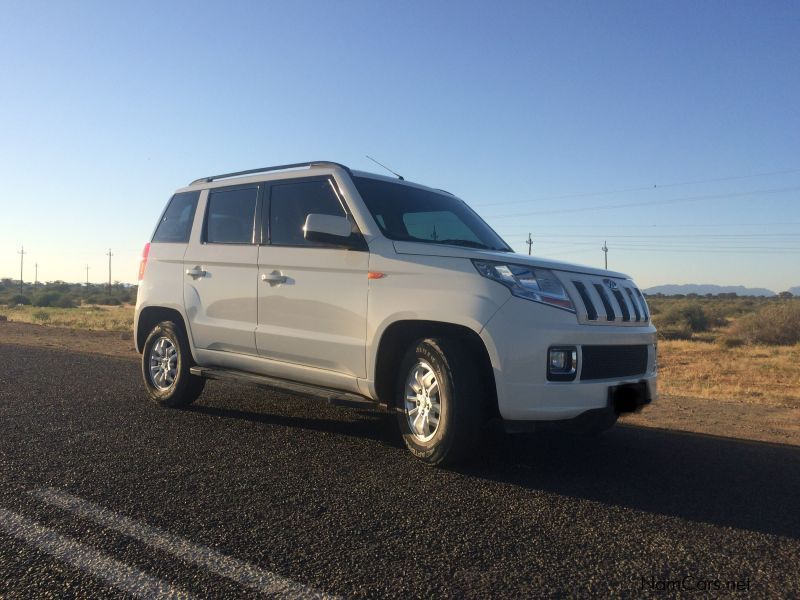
column 608, row 362
column 606, row 301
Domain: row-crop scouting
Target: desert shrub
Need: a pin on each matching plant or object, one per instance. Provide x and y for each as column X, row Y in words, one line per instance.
column 687, row 316
column 731, row 342
column 717, row 314
column 65, row 302
column 46, row 299
column 674, row 333
column 108, row 301
column 19, row 299
column 776, row 324
column 41, row 315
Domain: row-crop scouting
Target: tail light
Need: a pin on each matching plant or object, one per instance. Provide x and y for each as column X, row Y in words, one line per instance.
column 143, row 262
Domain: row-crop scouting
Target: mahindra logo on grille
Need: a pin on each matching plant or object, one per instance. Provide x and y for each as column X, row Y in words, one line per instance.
column 612, row 285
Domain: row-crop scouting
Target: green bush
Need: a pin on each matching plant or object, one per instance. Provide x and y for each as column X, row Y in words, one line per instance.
column 674, row 333
column 109, row 301
column 65, row 302
column 41, row 315
column 777, row 324
column 46, row 299
column 684, row 316
column 19, row 299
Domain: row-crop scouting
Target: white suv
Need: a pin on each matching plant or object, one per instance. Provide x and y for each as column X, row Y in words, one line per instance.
column 360, row 288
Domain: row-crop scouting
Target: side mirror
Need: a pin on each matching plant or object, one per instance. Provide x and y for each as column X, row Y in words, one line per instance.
column 328, row 229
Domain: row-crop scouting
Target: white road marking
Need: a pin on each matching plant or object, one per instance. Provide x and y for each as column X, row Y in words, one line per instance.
column 87, row 559
column 241, row 572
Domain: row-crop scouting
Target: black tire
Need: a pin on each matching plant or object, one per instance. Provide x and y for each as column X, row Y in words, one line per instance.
column 461, row 397
column 185, row 387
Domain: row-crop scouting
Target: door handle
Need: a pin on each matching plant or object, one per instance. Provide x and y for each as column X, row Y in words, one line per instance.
column 195, row 272
column 273, row 278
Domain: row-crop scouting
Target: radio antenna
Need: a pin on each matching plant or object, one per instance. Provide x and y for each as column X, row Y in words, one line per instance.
column 400, row 177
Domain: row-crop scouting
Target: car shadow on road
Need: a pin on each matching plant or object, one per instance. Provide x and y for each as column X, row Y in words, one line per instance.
column 722, row 481
column 367, row 424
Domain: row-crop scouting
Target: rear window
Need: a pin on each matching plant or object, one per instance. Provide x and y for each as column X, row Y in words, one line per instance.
column 176, row 224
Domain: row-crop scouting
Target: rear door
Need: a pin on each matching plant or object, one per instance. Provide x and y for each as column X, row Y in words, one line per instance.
column 220, row 272
column 312, row 298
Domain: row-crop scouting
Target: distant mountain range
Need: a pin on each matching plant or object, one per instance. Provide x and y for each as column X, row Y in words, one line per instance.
column 703, row 289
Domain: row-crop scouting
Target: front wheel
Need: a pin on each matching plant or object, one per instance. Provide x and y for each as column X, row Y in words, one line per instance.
column 166, row 360
column 440, row 401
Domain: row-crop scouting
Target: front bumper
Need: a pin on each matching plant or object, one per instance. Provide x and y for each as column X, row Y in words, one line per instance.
column 517, row 338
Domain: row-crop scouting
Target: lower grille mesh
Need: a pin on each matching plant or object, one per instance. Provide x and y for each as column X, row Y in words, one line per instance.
column 606, row 362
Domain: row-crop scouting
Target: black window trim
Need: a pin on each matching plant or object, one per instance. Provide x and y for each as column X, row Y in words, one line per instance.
column 359, row 243
column 256, row 213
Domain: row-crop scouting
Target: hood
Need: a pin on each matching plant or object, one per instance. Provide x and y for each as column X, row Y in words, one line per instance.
column 423, row 249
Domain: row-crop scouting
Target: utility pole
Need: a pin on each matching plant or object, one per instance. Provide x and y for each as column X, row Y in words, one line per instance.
column 35, row 275
column 530, row 244
column 22, row 254
column 109, row 270
column 605, row 251
column 87, row 277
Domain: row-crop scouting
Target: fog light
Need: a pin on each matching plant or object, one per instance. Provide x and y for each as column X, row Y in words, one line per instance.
column 562, row 363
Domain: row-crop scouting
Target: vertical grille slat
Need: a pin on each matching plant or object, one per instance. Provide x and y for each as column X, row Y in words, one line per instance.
column 643, row 302
column 623, row 306
column 634, row 304
column 591, row 311
column 610, row 314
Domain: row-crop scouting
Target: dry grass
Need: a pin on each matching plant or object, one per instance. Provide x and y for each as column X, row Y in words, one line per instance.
column 98, row 318
column 754, row 374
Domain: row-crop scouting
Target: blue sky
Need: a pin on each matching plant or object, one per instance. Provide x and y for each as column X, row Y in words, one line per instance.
column 670, row 129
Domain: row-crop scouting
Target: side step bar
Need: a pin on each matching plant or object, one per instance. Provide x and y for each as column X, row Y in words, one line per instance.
column 331, row 395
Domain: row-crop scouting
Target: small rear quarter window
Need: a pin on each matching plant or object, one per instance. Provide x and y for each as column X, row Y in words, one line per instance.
column 176, row 223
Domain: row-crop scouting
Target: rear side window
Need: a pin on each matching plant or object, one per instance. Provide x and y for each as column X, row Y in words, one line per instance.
column 291, row 203
column 176, row 224
column 230, row 215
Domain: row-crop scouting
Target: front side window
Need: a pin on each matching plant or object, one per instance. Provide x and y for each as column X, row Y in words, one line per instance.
column 412, row 214
column 291, row 203
column 176, row 224
column 230, row 215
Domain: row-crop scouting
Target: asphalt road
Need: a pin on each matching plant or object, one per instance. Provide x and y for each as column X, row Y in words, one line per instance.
column 249, row 493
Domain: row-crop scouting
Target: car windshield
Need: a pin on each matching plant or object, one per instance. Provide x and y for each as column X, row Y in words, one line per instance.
column 411, row 214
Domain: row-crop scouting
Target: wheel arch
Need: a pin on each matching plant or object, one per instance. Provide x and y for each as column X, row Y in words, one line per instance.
column 398, row 336
column 150, row 316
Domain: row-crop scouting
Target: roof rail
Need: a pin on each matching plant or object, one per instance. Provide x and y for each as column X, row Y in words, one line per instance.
column 316, row 163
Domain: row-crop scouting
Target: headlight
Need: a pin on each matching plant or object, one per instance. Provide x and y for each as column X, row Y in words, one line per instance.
column 539, row 285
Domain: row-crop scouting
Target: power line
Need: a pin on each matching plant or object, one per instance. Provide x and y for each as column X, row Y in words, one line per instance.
column 641, row 188
column 649, row 203
column 686, row 225
column 722, row 237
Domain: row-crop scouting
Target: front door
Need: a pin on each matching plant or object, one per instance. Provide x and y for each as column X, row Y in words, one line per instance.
column 312, row 298
column 220, row 272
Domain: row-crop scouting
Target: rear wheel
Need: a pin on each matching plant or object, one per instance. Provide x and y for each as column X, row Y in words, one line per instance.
column 166, row 360
column 440, row 401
